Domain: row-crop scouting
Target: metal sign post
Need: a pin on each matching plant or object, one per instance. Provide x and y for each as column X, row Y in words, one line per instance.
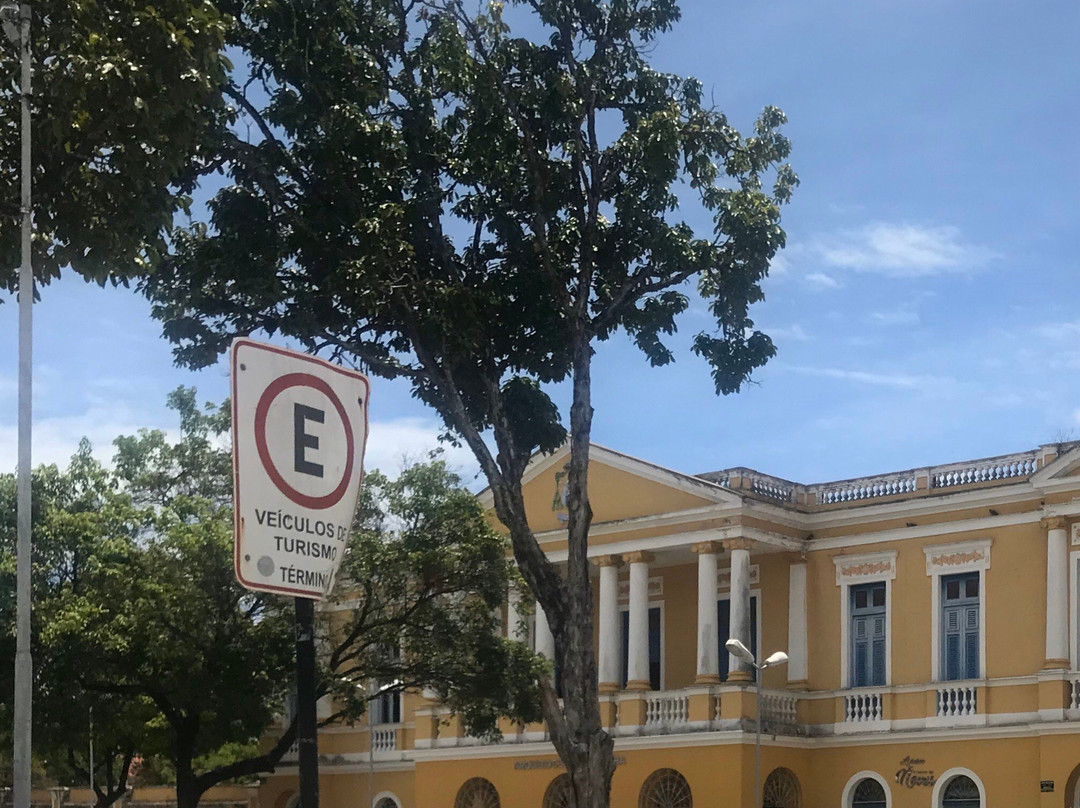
column 299, row 429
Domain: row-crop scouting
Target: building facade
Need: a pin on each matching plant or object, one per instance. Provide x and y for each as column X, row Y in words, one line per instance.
column 930, row 617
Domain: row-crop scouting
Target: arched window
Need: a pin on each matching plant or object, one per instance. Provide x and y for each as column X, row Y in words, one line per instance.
column 961, row 792
column 665, row 788
column 869, row 793
column 559, row 793
column 477, row 793
column 781, row 790
column 386, row 802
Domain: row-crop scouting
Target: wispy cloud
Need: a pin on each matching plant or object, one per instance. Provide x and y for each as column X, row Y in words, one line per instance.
column 897, row 317
column 793, row 332
column 896, row 380
column 396, row 443
column 821, row 281
column 902, row 250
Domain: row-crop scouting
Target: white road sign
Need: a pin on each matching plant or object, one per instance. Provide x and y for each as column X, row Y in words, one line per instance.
column 299, row 426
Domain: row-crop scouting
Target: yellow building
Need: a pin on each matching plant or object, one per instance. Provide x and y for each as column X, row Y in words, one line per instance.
column 930, row 617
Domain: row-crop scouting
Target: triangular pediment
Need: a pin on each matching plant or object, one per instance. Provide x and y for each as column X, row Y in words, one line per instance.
column 1062, row 470
column 620, row 487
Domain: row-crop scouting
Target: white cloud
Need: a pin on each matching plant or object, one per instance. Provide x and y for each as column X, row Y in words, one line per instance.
column 56, row 438
column 898, row 317
column 779, row 266
column 895, row 380
column 792, row 332
column 393, row 444
column 819, row 280
column 902, row 250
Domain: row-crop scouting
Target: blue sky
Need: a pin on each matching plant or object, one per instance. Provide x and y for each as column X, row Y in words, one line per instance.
column 924, row 310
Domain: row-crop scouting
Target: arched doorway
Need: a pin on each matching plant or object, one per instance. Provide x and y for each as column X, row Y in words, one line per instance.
column 781, row 790
column 477, row 793
column 558, row 794
column 665, row 788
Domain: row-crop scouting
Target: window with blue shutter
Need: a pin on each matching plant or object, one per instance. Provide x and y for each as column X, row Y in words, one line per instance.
column 867, row 633
column 723, row 631
column 655, row 647
column 960, row 626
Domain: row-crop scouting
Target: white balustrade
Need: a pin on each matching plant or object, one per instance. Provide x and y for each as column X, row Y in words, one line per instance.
column 865, row 488
column 992, row 468
column 667, row 709
column 955, row 702
column 860, row 708
column 778, row 713
column 383, row 740
column 1074, row 694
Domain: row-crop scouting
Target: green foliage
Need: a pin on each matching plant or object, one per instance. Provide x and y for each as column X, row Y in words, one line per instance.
column 435, row 197
column 138, row 615
column 126, row 97
column 425, row 577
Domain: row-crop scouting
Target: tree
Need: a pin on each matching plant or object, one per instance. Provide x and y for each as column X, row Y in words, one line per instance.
column 436, row 198
column 182, row 664
column 78, row 523
column 126, row 95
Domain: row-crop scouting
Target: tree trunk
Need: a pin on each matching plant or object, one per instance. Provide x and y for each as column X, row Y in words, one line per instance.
column 576, row 730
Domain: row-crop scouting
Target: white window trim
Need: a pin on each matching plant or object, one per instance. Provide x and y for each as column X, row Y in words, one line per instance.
column 849, row 789
column 1074, row 614
column 653, row 604
column 854, row 570
column 943, row 780
column 755, row 595
column 979, row 561
column 385, row 795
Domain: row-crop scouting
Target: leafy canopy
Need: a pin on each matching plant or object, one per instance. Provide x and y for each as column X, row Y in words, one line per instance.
column 426, row 188
column 126, row 94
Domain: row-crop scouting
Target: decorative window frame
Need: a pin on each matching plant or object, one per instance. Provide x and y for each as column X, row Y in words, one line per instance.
column 849, row 789
column 653, row 604
column 723, row 577
column 385, row 795
column 943, row 780
column 955, row 559
column 1074, row 608
column 656, row 588
column 865, row 568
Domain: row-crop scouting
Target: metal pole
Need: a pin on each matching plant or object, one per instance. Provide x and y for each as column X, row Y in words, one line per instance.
column 23, row 663
column 757, row 743
column 306, row 728
column 371, row 754
column 91, row 747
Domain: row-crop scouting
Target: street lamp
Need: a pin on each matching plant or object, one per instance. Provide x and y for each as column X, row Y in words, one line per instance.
column 737, row 649
column 15, row 20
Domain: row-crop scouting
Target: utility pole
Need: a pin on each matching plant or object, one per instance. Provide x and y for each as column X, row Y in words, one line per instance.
column 16, row 23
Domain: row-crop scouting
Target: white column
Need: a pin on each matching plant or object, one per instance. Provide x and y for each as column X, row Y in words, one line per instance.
column 739, row 671
column 638, row 645
column 708, row 655
column 545, row 642
column 796, row 645
column 609, row 622
column 516, row 627
column 1057, row 593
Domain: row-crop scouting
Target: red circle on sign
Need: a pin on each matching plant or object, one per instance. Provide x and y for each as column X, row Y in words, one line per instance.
column 272, row 391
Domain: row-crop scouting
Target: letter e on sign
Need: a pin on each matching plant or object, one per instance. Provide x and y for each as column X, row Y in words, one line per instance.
column 299, row 426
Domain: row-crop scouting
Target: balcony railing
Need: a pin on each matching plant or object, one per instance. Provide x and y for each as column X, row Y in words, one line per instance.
column 668, row 709
column 384, row 740
column 863, row 708
column 1074, row 694
column 956, row 701
column 779, row 714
